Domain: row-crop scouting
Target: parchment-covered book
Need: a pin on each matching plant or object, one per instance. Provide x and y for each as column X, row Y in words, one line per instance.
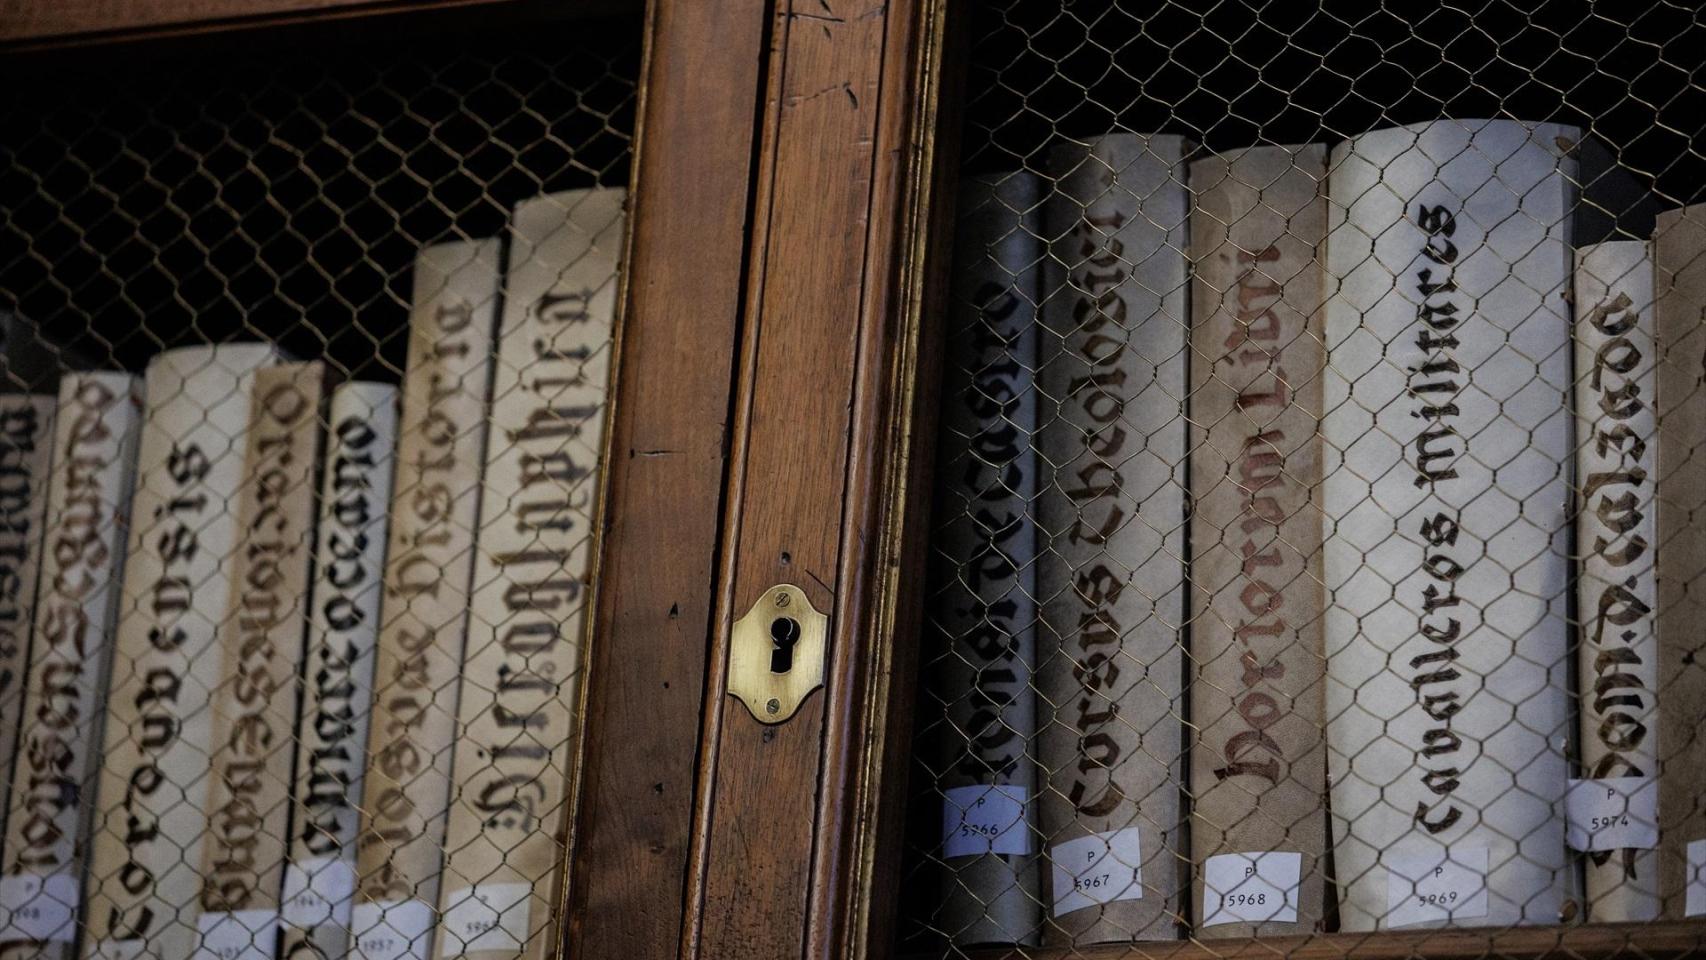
column 263, row 641
column 1112, row 539
column 521, row 679
column 26, row 449
column 1258, row 764
column 429, row 564
column 1616, row 446
column 152, row 812
column 983, row 597
column 1679, row 281
column 343, row 628
column 1446, row 457
column 88, row 504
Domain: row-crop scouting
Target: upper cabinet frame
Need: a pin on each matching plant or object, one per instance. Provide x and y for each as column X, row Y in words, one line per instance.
column 28, row 24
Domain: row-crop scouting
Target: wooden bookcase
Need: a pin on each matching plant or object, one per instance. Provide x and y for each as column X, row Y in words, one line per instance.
column 792, row 179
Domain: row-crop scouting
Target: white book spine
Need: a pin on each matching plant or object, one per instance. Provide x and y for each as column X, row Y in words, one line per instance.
column 1112, row 538
column 254, row 709
column 1616, row 529
column 88, row 500
column 151, row 814
column 983, row 602
column 521, row 677
column 429, row 567
column 331, row 756
column 26, row 453
column 1447, row 445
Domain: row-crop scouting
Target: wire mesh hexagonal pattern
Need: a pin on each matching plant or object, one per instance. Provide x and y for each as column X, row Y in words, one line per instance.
column 307, row 348
column 1314, row 535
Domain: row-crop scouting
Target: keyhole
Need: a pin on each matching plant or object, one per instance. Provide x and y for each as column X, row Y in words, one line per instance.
column 784, row 633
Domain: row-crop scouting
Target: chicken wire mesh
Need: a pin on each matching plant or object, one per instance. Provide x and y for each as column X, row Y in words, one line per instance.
column 404, row 248
column 1314, row 543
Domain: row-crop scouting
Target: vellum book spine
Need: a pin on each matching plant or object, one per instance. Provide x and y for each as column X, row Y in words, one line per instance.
column 255, row 707
column 1679, row 280
column 88, row 503
column 1258, row 767
column 428, row 571
column 1112, row 539
column 521, row 678
column 1616, row 447
column 983, row 603
column 152, row 815
column 26, row 453
column 1447, row 445
column 343, row 628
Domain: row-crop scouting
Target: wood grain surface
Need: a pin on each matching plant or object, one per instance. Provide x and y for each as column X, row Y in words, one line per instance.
column 647, row 666
column 58, row 22
column 857, row 865
column 830, row 468
column 792, row 438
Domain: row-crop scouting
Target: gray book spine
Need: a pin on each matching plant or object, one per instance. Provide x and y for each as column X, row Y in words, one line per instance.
column 1113, row 540
column 984, row 601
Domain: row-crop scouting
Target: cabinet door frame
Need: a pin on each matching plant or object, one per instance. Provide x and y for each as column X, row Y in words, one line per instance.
column 796, row 829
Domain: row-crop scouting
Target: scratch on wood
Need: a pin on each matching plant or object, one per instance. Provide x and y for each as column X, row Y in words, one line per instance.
column 650, row 453
column 847, row 88
column 825, row 586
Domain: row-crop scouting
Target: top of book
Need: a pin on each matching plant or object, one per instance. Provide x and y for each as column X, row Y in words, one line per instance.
column 233, row 356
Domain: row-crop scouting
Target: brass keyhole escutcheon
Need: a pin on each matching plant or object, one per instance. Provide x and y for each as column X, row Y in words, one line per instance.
column 776, row 653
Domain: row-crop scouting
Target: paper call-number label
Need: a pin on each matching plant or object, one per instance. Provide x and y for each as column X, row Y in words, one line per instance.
column 1100, row 868
column 236, row 935
column 1438, row 885
column 316, row 892
column 392, row 930
column 487, row 916
column 121, row 949
column 1694, row 899
column 1616, row 813
column 982, row 819
column 36, row 908
column 1251, row 887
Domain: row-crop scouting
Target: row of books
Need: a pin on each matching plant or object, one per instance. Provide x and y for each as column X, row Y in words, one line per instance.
column 300, row 659
column 1257, row 483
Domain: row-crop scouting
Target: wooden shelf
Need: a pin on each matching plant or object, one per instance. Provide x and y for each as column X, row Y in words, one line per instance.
column 1649, row 941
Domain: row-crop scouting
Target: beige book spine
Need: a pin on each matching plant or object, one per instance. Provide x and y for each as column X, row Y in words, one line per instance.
column 88, row 500
column 521, row 679
column 1258, row 767
column 343, row 628
column 1616, row 529
column 26, row 451
column 1112, row 541
column 1679, row 281
column 152, row 812
column 428, row 569
column 254, row 709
